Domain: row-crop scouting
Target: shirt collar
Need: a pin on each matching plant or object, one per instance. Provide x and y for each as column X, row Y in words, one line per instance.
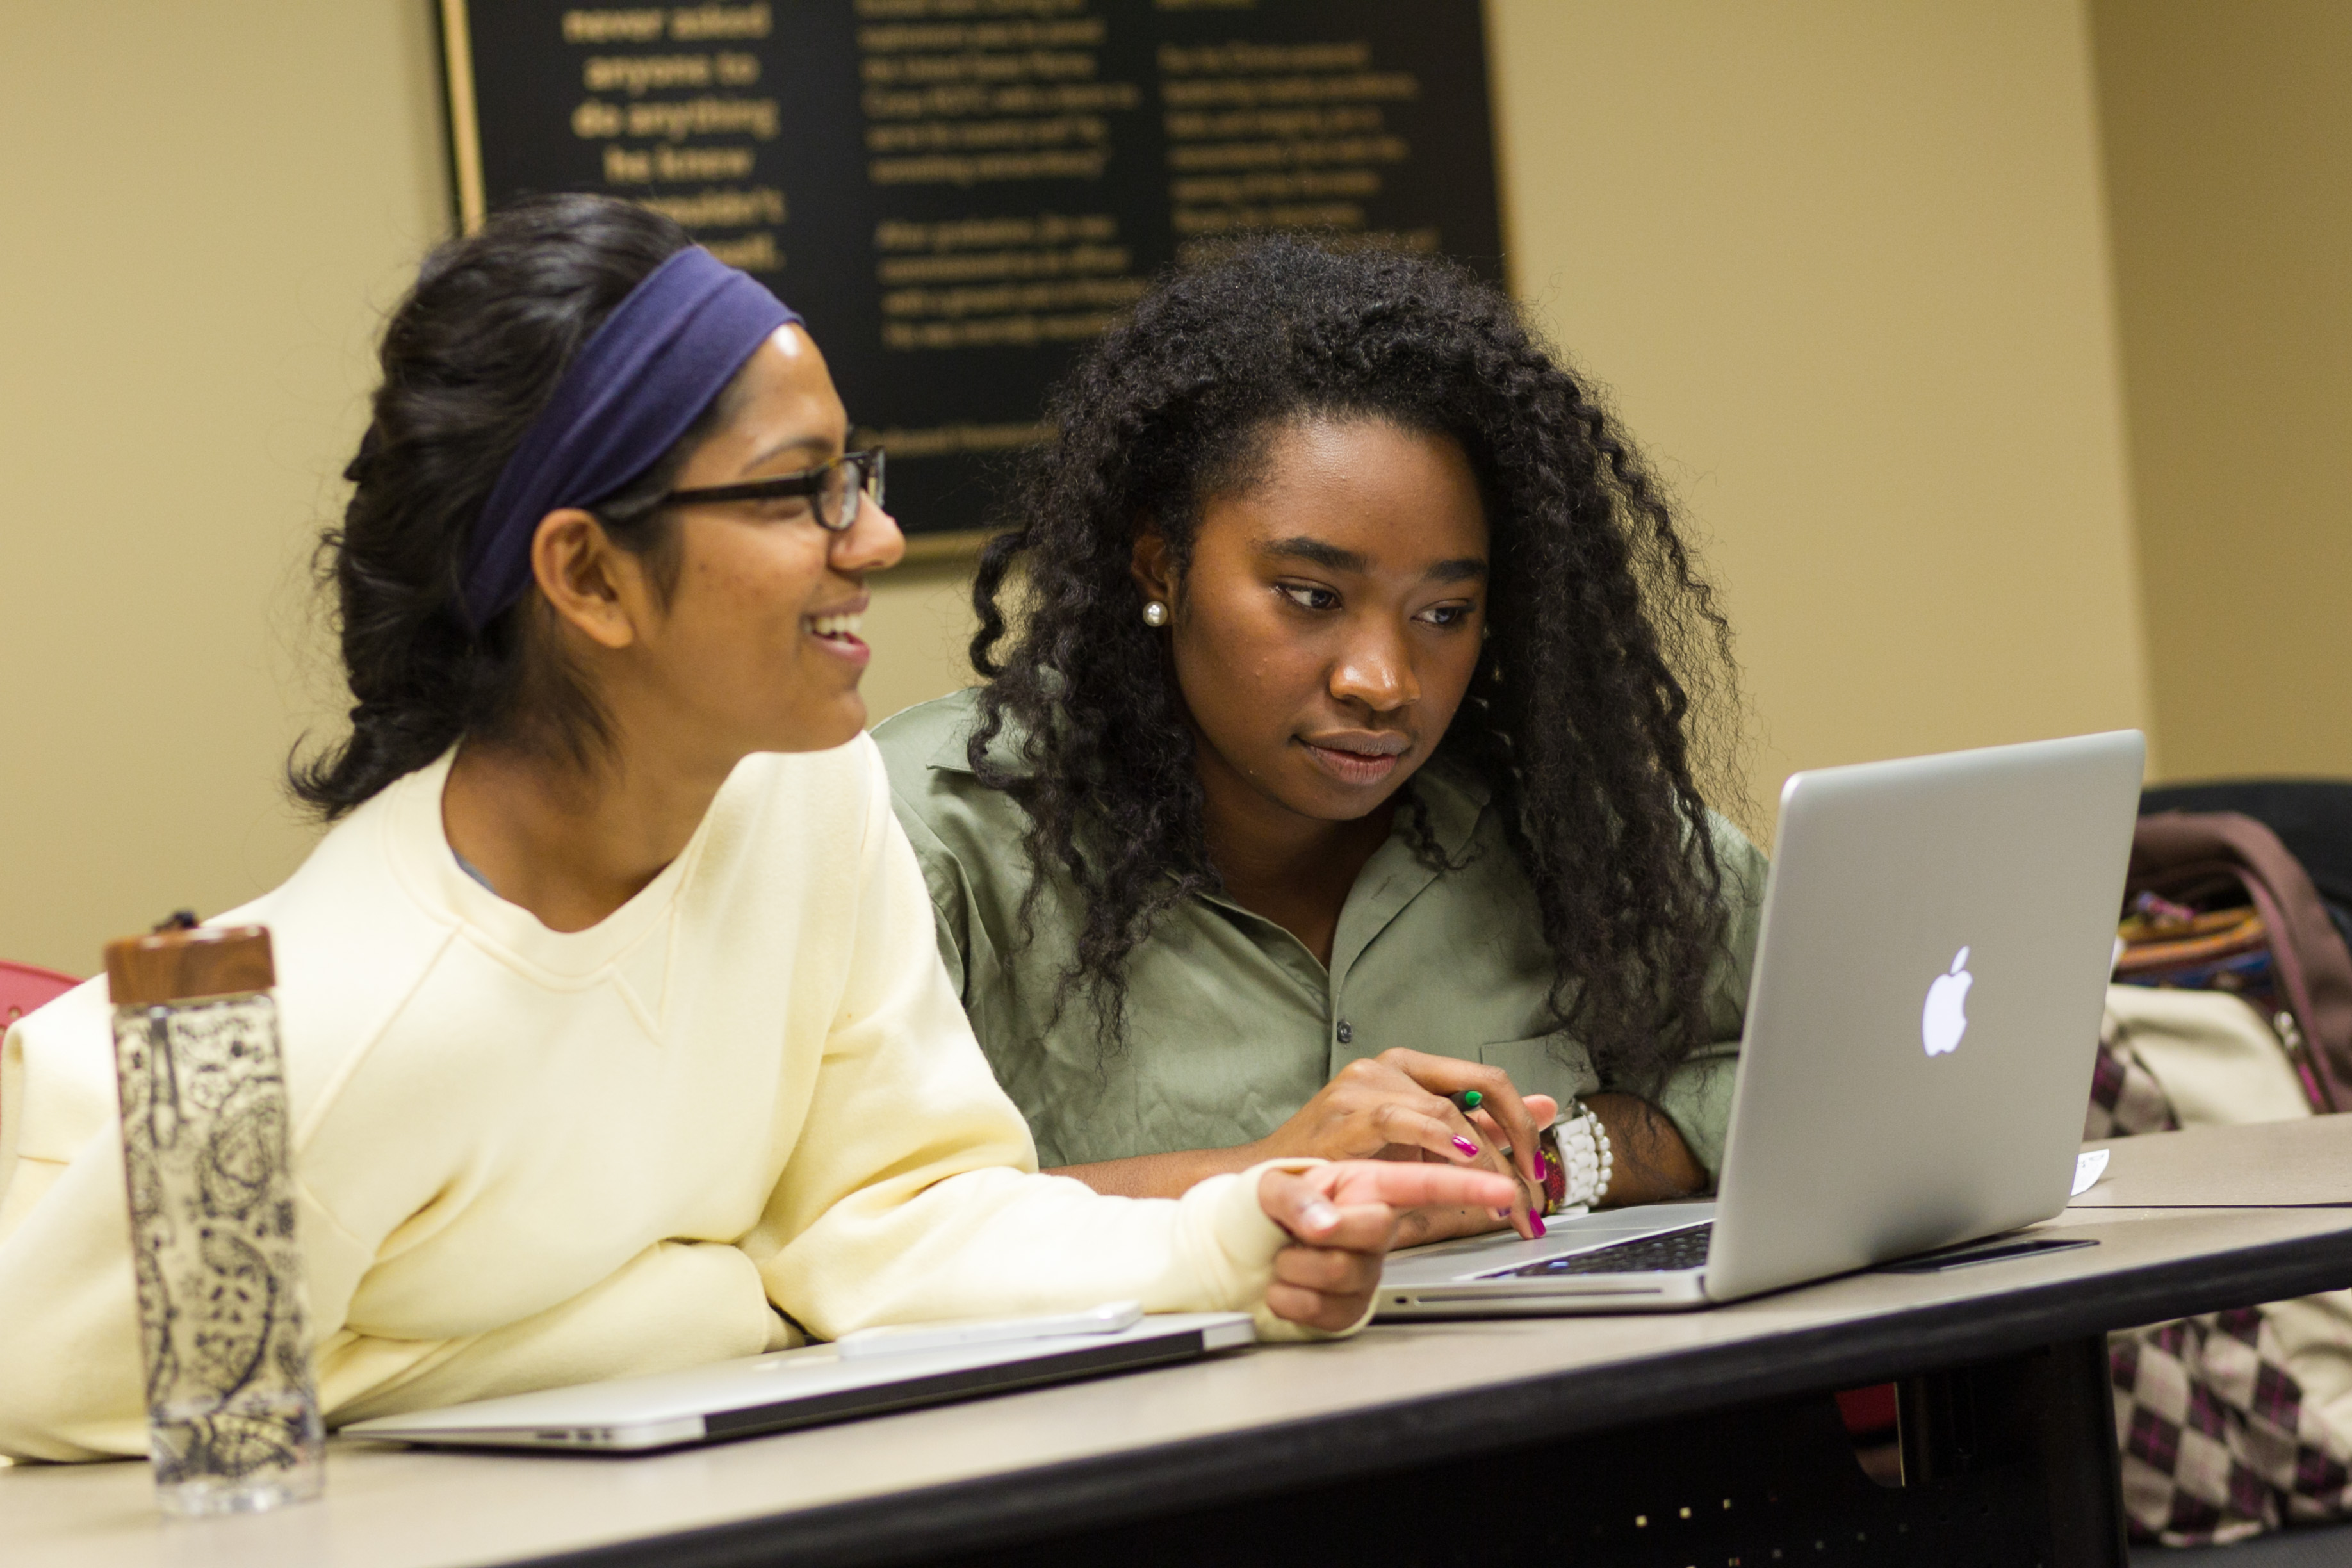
column 1453, row 797
column 952, row 753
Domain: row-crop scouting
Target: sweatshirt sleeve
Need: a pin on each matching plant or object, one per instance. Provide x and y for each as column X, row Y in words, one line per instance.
column 69, row 1377
column 913, row 1191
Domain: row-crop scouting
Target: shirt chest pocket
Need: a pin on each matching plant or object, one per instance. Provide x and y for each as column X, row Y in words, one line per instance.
column 1545, row 1064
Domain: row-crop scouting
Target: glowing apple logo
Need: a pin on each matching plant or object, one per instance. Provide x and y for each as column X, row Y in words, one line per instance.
column 1944, row 1018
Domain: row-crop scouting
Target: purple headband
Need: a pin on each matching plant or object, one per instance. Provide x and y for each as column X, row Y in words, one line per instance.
column 633, row 388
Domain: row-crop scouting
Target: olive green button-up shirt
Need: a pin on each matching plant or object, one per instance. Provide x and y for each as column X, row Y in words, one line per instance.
column 1232, row 1024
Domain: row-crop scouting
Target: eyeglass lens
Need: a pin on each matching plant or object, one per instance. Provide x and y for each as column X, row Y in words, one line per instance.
column 836, row 500
column 846, row 485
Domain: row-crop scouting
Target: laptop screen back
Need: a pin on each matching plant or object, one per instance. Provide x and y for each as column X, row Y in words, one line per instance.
column 1936, row 942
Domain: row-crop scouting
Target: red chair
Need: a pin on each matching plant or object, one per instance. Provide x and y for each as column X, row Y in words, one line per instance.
column 24, row 988
column 1869, row 1412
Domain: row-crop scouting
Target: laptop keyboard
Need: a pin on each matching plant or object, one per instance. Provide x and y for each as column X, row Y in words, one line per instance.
column 1662, row 1252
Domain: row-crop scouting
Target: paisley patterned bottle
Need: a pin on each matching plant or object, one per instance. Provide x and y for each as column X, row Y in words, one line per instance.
column 233, row 1411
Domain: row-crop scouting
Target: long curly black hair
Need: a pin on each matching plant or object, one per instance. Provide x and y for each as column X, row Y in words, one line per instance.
column 1606, row 674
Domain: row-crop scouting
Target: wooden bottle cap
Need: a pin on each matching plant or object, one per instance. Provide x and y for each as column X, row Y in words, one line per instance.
column 182, row 966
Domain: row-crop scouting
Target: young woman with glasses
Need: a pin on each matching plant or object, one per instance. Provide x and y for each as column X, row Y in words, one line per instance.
column 616, row 1034
column 1334, row 764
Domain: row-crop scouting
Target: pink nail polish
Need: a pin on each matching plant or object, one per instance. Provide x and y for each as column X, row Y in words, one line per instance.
column 1467, row 1147
column 1543, row 1167
column 1536, row 1224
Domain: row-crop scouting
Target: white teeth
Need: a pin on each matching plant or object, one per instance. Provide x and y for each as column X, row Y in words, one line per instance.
column 836, row 626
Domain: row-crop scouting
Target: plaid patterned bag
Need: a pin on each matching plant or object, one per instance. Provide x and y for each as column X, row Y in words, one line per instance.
column 2220, row 1439
column 2234, row 1423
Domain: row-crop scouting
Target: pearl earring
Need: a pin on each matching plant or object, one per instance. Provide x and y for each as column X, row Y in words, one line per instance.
column 1155, row 614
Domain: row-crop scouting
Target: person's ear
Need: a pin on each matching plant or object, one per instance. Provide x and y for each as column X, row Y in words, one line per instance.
column 1152, row 566
column 595, row 586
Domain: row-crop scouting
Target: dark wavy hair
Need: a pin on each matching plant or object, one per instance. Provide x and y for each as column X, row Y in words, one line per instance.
column 1606, row 663
column 469, row 358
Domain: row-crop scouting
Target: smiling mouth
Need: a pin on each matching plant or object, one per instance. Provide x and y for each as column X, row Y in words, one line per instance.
column 836, row 632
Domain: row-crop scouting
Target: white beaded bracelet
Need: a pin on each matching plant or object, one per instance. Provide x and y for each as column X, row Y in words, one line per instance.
column 1608, row 1156
column 1584, row 1151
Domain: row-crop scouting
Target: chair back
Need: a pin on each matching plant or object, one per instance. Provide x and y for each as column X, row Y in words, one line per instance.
column 23, row 987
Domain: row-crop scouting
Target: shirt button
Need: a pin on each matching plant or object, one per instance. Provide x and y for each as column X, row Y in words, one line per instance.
column 1346, row 1032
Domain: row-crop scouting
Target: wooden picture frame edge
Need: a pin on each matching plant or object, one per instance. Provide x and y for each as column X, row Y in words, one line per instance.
column 465, row 125
column 957, row 548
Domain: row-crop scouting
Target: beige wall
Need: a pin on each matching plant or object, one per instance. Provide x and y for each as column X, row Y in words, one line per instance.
column 2230, row 169
column 921, row 624
column 1842, row 263
column 1840, row 260
column 205, row 207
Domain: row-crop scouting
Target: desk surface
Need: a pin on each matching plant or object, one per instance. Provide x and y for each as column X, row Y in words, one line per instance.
column 1237, row 1427
column 2262, row 1165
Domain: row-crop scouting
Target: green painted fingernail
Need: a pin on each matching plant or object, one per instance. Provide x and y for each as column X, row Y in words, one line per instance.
column 1468, row 1100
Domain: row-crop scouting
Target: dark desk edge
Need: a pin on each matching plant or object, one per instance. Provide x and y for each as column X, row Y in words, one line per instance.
column 1237, row 1467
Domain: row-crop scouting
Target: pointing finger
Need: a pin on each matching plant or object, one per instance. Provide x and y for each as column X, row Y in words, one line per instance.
column 1414, row 1186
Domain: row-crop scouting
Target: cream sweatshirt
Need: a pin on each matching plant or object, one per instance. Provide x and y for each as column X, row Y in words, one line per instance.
column 527, row 1158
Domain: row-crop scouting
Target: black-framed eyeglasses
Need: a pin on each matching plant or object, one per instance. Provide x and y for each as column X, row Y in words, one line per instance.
column 835, row 490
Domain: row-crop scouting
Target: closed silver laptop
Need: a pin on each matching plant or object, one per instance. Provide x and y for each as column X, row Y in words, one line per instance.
column 815, row 1384
column 1921, row 1021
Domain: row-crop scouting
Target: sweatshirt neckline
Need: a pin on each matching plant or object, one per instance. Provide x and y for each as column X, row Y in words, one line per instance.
column 427, row 864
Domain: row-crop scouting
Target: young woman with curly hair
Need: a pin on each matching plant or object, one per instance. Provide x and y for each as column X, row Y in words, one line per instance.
column 1344, row 671
column 616, row 1034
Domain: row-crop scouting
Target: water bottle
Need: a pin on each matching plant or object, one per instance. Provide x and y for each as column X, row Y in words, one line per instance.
column 232, row 1406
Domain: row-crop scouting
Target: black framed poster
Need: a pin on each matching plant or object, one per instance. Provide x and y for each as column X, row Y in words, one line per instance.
column 957, row 193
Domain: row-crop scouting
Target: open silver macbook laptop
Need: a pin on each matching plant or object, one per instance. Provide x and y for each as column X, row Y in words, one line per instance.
column 1921, row 1024
column 862, row 1376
